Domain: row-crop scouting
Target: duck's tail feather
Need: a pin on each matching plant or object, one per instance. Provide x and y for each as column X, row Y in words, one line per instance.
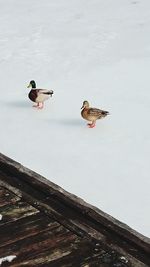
column 105, row 113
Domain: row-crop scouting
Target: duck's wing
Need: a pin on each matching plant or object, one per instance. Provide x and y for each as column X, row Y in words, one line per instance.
column 97, row 112
column 45, row 91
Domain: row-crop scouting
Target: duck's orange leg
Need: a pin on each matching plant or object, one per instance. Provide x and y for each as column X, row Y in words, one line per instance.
column 40, row 105
column 92, row 125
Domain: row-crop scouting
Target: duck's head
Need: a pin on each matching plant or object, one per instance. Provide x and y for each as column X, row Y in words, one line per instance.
column 32, row 84
column 85, row 104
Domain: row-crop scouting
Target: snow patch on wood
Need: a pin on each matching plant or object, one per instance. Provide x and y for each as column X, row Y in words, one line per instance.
column 8, row 258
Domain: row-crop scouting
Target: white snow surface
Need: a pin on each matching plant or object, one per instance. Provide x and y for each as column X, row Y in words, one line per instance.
column 95, row 50
column 8, row 258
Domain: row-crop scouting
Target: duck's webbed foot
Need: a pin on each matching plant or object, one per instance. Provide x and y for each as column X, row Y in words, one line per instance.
column 40, row 105
column 91, row 125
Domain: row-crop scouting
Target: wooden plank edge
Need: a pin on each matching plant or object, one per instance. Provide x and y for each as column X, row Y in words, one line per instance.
column 42, row 184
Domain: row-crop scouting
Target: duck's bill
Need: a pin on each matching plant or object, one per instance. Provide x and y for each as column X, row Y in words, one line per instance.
column 82, row 107
column 29, row 85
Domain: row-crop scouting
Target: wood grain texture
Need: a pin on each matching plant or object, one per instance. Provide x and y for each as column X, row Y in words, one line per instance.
column 43, row 225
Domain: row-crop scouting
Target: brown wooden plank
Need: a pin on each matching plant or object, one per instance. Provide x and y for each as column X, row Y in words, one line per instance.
column 80, row 223
column 73, row 207
column 40, row 246
column 85, row 254
column 7, row 197
column 73, row 213
column 48, row 238
column 12, row 212
column 70, row 252
column 23, row 228
column 64, row 252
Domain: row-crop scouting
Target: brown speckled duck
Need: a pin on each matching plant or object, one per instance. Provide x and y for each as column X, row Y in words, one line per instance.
column 38, row 95
column 92, row 114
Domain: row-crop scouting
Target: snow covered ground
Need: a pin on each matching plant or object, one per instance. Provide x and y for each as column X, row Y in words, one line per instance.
column 95, row 50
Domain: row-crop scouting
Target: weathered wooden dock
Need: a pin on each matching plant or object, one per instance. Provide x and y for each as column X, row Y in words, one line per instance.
column 43, row 225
